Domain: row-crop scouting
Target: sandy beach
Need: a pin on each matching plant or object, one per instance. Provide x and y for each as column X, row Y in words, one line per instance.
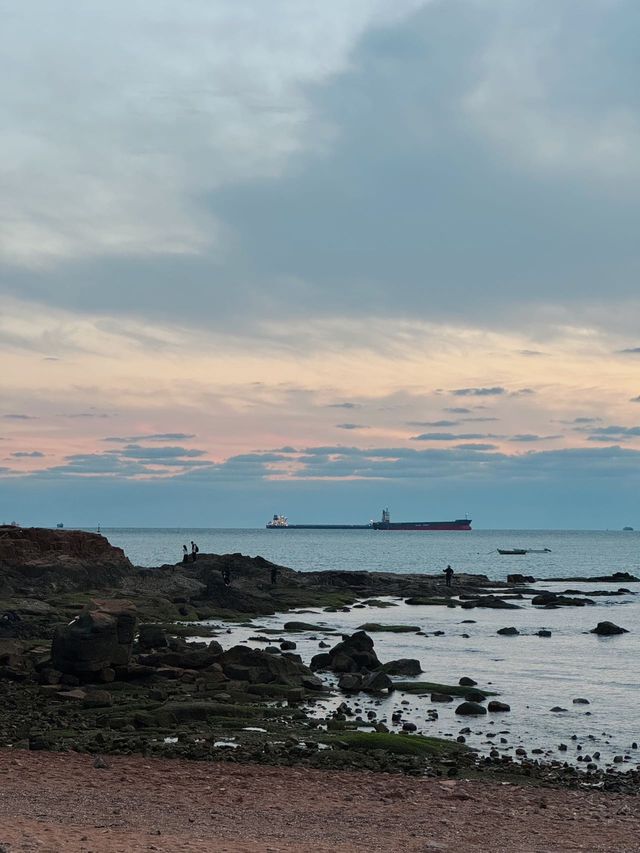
column 53, row 802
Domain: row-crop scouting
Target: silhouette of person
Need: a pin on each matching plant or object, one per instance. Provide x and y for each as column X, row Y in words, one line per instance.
column 185, row 554
column 274, row 574
column 194, row 550
column 448, row 574
column 226, row 577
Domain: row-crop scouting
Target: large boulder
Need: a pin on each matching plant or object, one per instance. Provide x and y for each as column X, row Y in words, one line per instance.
column 99, row 639
column 608, row 629
column 241, row 663
column 471, row 709
column 353, row 654
column 407, row 667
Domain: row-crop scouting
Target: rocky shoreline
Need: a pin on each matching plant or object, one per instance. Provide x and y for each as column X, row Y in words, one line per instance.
column 94, row 658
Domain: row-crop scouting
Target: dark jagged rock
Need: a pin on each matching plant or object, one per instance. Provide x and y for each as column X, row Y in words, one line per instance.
column 616, row 576
column 407, row 667
column 508, row 632
column 98, row 639
column 152, row 637
column 465, row 681
column 257, row 667
column 551, row 599
column 471, row 709
column 608, row 629
column 354, row 654
column 492, row 601
column 36, row 561
column 495, row 707
column 520, row 579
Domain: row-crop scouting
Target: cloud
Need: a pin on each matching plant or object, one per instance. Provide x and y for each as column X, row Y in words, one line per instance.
column 343, row 405
column 473, row 446
column 635, row 400
column 630, row 351
column 450, row 436
column 457, row 410
column 159, row 436
column 522, row 392
column 613, row 433
column 86, row 415
column 432, row 423
column 352, row 426
column 136, row 451
column 494, row 391
column 527, row 437
column 23, row 454
column 20, row 417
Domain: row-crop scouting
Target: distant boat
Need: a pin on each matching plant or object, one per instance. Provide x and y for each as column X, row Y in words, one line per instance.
column 538, row 550
column 59, row 525
column 627, row 528
column 512, row 551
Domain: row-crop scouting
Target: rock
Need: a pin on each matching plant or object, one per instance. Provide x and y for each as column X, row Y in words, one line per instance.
column 496, row 707
column 491, row 601
column 320, row 661
column 557, row 709
column 99, row 637
column 581, row 701
column 508, row 632
column 287, row 645
column 258, row 667
column 441, row 697
column 520, row 579
column 471, row 709
column 152, row 637
column 608, row 629
column 467, row 682
column 474, row 696
column 101, row 764
column 97, row 699
column 376, row 682
column 551, row 599
column 350, row 682
column 543, row 632
column 354, row 654
column 404, row 666
column 409, row 727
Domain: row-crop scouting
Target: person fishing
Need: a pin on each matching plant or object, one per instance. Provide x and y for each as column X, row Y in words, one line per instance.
column 448, row 574
column 274, row 575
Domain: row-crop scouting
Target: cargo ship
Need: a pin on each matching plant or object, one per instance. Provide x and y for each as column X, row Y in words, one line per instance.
column 281, row 522
column 387, row 524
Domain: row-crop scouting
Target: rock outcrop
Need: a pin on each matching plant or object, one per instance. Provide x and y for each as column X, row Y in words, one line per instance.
column 36, row 560
column 98, row 640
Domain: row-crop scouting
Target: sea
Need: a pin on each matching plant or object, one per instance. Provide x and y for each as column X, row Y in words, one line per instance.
column 532, row 674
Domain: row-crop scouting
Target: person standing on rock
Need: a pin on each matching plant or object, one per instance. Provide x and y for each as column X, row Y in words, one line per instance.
column 274, row 575
column 226, row 576
column 185, row 554
column 194, row 550
column 448, row 574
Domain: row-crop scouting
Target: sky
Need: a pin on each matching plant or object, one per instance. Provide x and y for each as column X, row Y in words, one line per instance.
column 318, row 259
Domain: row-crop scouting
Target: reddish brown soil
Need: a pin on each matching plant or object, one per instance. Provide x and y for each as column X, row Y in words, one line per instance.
column 52, row 802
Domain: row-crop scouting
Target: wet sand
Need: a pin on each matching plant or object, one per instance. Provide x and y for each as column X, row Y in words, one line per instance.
column 52, row 802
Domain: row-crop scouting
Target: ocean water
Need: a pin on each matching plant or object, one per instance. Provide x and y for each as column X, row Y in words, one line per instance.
column 530, row 673
column 572, row 552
